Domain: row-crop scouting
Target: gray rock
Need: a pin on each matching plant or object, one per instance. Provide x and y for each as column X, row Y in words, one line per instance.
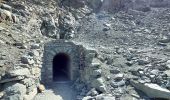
column 27, row 60
column 114, row 71
column 34, row 53
column 152, row 90
column 14, row 91
column 168, row 64
column 48, row 28
column 117, row 84
column 97, row 73
column 92, row 92
column 35, row 46
column 99, row 84
column 6, row 7
column 118, row 77
column 143, row 62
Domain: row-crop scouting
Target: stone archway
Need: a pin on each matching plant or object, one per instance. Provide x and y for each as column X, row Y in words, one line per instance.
column 61, row 67
column 70, row 53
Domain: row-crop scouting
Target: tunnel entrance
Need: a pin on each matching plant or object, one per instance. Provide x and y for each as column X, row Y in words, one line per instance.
column 61, row 67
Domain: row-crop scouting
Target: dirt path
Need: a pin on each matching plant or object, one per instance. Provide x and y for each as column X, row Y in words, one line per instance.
column 56, row 91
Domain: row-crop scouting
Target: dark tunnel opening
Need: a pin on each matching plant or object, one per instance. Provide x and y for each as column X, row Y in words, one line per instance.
column 61, row 67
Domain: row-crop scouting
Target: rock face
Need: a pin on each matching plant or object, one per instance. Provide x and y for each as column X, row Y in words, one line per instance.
column 20, row 72
column 15, row 91
column 152, row 90
column 48, row 28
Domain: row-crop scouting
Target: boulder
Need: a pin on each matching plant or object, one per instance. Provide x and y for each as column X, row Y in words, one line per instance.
column 119, row 76
column 35, row 46
column 99, row 84
column 92, row 92
column 14, row 91
column 27, row 60
column 152, row 90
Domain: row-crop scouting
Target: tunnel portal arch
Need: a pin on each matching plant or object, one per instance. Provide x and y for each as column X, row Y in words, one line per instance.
column 70, row 53
column 61, row 67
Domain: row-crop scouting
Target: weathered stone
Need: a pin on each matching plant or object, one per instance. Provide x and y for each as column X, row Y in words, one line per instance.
column 27, row 60
column 143, row 61
column 152, row 90
column 15, row 91
column 35, row 46
column 168, row 64
column 99, row 84
column 114, row 71
column 117, row 84
column 19, row 72
column 92, row 92
column 119, row 77
column 12, row 79
column 48, row 28
column 34, row 53
column 41, row 88
column 6, row 7
column 31, row 95
column 35, row 71
column 96, row 73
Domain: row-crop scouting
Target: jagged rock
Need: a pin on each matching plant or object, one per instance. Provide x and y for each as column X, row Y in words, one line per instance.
column 92, row 92
column 66, row 24
column 99, row 84
column 35, row 46
column 143, row 61
column 114, row 71
column 14, row 91
column 48, row 28
column 34, row 53
column 165, row 40
column 19, row 72
column 6, row 7
column 168, row 64
column 152, row 90
column 117, row 84
column 97, row 73
column 27, row 60
column 119, row 76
